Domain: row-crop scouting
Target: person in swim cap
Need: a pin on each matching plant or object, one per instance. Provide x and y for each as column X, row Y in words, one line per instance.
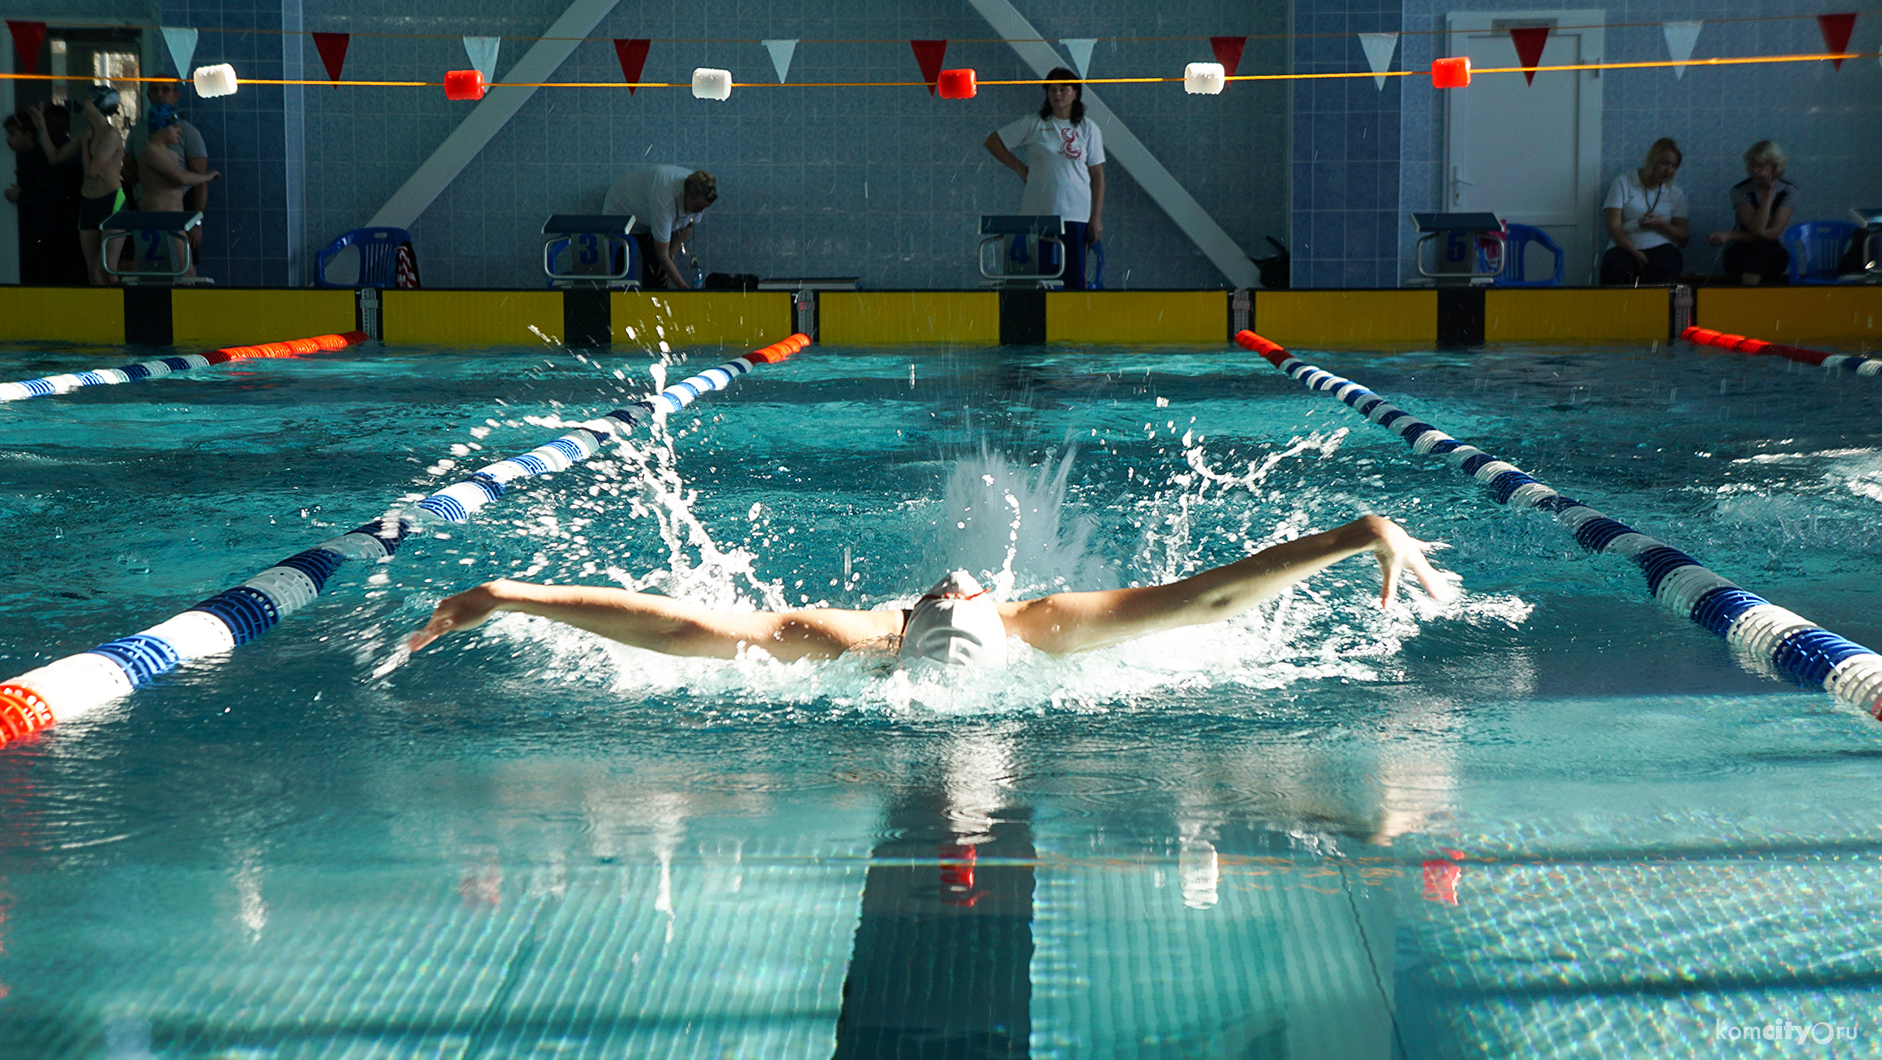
column 956, row 623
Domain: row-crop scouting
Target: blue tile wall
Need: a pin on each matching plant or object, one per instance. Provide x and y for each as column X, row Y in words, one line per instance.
column 885, row 183
column 1345, row 151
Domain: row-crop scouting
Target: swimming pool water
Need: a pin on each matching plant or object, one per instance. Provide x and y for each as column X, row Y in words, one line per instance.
column 1548, row 819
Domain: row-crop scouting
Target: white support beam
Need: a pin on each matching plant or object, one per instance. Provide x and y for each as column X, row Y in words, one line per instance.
column 1120, row 143
column 491, row 114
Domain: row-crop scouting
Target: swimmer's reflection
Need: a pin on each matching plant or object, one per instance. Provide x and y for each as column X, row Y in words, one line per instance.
column 943, row 953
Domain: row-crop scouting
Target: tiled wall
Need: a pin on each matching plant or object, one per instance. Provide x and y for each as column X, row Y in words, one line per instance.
column 884, row 183
column 1346, row 148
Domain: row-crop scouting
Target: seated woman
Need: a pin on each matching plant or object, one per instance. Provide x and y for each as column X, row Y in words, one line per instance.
column 1763, row 203
column 1645, row 214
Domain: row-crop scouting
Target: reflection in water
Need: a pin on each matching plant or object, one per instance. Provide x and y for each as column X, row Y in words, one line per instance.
column 943, row 951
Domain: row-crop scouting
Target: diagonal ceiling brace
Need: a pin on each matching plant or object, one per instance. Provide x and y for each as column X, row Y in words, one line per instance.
column 430, row 179
column 1130, row 152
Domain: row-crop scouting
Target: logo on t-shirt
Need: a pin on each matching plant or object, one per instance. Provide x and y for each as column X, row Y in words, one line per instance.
column 1069, row 148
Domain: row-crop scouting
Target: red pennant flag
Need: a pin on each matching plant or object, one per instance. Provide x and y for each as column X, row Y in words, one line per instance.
column 28, row 36
column 1529, row 44
column 333, row 53
column 1228, row 52
column 928, row 53
column 1836, row 30
column 633, row 56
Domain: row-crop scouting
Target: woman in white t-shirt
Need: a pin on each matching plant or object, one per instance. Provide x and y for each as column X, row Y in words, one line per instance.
column 1060, row 156
column 1646, row 221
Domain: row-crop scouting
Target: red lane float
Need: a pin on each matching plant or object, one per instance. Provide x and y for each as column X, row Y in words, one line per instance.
column 1699, row 336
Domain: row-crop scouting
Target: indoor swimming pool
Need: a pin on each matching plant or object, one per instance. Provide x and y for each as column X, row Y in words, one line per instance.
column 1544, row 819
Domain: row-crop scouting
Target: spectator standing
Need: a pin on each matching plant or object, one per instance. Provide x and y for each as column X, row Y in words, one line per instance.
column 1645, row 214
column 1060, row 156
column 100, row 151
column 1762, row 205
column 47, row 196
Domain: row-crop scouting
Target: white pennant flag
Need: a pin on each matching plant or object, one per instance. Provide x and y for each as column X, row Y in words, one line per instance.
column 483, row 55
column 781, row 52
column 182, row 44
column 1680, row 37
column 1379, row 48
column 1079, row 49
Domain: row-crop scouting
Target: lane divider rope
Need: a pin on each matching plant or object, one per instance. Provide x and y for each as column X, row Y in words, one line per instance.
column 1789, row 643
column 1847, row 362
column 77, row 684
column 162, row 366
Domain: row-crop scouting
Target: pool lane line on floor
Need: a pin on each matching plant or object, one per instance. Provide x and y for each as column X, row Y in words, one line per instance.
column 72, row 686
column 162, row 366
column 1818, row 358
column 1791, row 644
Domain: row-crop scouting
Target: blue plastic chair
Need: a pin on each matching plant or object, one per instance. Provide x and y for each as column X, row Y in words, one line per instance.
column 378, row 257
column 1816, row 247
column 1516, row 240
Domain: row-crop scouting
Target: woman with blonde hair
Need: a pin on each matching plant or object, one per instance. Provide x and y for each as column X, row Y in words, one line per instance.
column 1763, row 204
column 1645, row 214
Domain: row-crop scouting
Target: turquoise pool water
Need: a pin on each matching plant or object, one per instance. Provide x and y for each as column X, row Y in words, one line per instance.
column 1548, row 819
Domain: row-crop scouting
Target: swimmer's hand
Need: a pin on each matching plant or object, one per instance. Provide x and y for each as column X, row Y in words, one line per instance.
column 466, row 610
column 1396, row 550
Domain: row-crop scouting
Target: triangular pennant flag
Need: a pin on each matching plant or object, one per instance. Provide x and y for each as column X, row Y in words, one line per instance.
column 1836, row 30
column 1379, row 48
column 1080, row 51
column 332, row 48
column 929, row 53
column 27, row 37
column 633, row 56
column 1680, row 37
column 1529, row 44
column 781, row 52
column 483, row 55
column 1228, row 52
column 182, row 44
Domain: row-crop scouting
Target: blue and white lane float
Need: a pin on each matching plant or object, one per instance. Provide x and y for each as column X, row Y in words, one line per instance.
column 1757, row 347
column 1789, row 643
column 162, row 366
column 77, row 684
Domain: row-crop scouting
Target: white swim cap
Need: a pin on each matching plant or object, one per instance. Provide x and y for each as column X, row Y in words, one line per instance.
column 957, row 624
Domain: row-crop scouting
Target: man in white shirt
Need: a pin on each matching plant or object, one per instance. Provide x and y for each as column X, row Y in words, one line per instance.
column 666, row 202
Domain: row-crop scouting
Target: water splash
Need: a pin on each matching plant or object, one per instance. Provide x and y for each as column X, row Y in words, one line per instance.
column 1022, row 528
column 1013, row 527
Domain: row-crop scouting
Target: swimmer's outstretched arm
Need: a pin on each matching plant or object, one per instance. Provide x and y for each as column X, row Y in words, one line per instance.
column 663, row 624
column 1071, row 622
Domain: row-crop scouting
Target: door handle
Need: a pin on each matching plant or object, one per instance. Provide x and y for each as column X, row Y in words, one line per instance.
column 1456, row 182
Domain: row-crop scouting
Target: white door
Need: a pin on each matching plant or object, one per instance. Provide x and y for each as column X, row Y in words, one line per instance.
column 1529, row 153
